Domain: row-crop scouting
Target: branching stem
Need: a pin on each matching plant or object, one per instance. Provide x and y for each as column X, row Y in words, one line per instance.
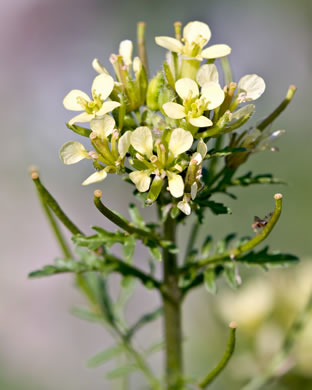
column 236, row 252
column 122, row 223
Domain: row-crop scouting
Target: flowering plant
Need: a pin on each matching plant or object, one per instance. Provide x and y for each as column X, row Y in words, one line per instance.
column 176, row 139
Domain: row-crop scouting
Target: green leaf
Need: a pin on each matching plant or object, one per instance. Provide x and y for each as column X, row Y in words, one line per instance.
column 144, row 320
column 210, row 280
column 263, row 258
column 248, row 179
column 156, row 253
column 206, row 248
column 79, row 130
column 216, row 207
column 157, row 347
column 136, row 217
column 154, row 250
column 223, row 153
column 231, row 275
column 87, row 315
column 105, row 356
column 103, row 237
column 104, row 299
column 70, row 265
column 222, row 245
column 128, row 248
column 121, row 371
column 127, row 288
column 174, row 212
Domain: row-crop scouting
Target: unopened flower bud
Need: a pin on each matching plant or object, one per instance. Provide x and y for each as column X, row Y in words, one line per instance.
column 153, row 91
column 93, row 155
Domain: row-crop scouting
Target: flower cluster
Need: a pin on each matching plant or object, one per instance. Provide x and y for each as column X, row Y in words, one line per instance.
column 155, row 133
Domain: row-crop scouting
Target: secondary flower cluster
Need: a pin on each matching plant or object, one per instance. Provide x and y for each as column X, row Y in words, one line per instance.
column 155, row 132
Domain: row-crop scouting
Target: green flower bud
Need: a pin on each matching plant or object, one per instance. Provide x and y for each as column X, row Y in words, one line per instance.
column 155, row 189
column 166, row 95
column 153, row 91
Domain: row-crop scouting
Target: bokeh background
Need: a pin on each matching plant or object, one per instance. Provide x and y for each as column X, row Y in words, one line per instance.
column 46, row 49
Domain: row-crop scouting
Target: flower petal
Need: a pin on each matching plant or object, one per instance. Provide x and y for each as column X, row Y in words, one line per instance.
column 196, row 32
column 103, row 126
column 141, row 179
column 137, row 65
column 103, row 85
column 207, row 73
column 107, row 107
column 70, row 100
column 124, row 144
column 142, row 140
column 72, row 152
column 201, row 121
column 186, row 88
column 125, row 50
column 253, row 85
column 197, row 158
column 81, row 118
column 169, row 43
column 95, row 177
column 176, row 184
column 202, row 148
column 174, row 110
column 180, row 141
column 98, row 67
column 184, row 207
column 216, row 51
column 214, row 94
column 194, row 188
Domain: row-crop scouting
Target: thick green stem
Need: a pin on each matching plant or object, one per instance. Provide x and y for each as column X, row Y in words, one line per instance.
column 172, row 313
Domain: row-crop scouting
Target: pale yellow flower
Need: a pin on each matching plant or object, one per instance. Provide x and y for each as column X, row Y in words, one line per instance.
column 102, row 128
column 195, row 36
column 195, row 103
column 77, row 100
column 164, row 163
column 250, row 87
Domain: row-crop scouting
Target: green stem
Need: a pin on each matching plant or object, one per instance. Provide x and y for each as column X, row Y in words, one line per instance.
column 236, row 252
column 142, row 365
column 123, row 224
column 141, row 44
column 224, row 361
column 55, row 228
column 48, row 199
column 290, row 94
column 191, row 240
column 172, row 312
column 226, row 68
column 214, row 161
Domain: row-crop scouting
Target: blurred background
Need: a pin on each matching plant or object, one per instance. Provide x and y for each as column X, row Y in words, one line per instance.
column 46, row 50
